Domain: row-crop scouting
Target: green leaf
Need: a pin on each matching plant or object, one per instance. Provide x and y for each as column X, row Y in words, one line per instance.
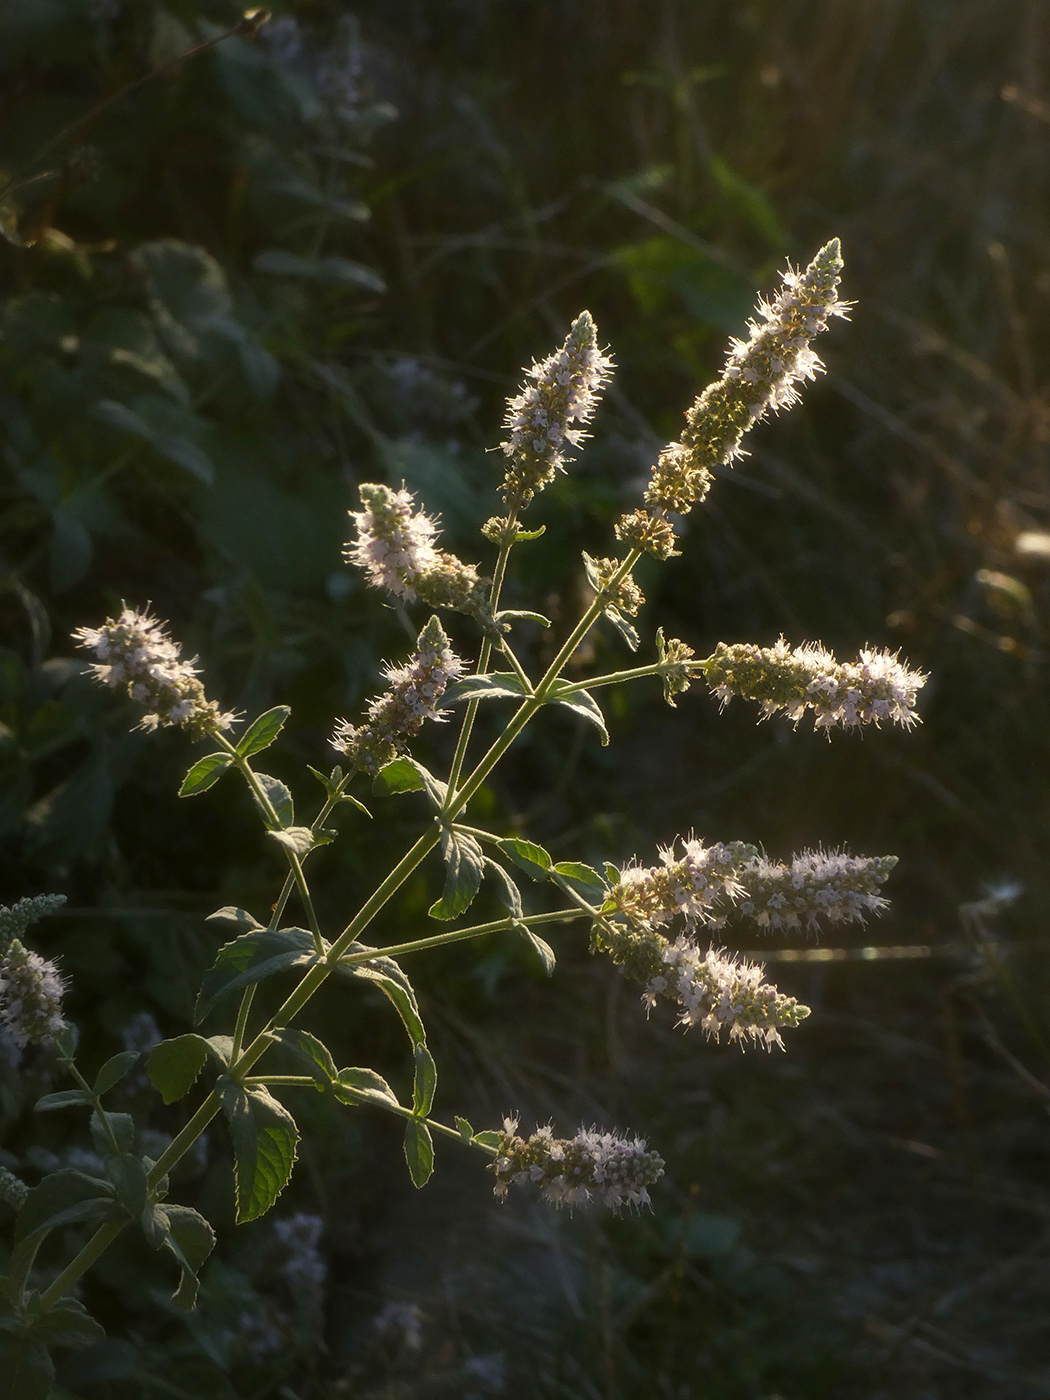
column 114, row 1070
column 252, row 958
column 424, row 1083
column 128, row 1175
column 464, row 864
column 239, row 918
column 204, row 774
column 121, row 1125
column 497, row 685
column 391, row 980
column 507, row 891
column 261, row 733
column 65, row 1098
column 582, row 703
column 67, row 1323
column 465, row 1130
column 264, row 1146
column 540, row 947
column 190, row 1239
column 173, row 1065
column 299, row 839
column 63, row 1198
column 626, row 630
column 309, row 1052
column 419, row 1152
column 399, row 775
column 533, row 859
column 584, row 879
column 364, row 1086
column 524, row 612
column 280, row 800
column 27, row 1369
column 490, row 1137
column 323, row 269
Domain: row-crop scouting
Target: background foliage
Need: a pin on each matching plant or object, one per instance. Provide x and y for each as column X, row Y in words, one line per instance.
column 321, row 257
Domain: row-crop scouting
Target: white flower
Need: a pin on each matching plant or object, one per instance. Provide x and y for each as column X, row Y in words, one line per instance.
column 395, row 542
column 603, row 1167
column 818, row 886
column 719, row 992
column 697, row 884
column 31, row 991
column 135, row 653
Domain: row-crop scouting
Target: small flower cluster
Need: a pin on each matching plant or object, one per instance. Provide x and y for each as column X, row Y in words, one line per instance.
column 698, row 884
column 564, row 390
column 13, row 1191
column 760, row 374
column 626, row 598
column 30, row 997
column 136, row 654
column 875, row 687
column 399, row 712
column 571, row 1171
column 829, row 886
column 720, row 993
column 674, row 657
column 396, row 548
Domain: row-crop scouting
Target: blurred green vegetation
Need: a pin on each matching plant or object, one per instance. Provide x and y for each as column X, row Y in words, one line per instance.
column 321, row 256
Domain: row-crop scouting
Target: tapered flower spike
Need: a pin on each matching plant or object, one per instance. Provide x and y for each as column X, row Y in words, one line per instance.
column 592, row 1166
column 398, row 714
column 135, row 653
column 564, row 391
column 396, row 547
column 719, row 992
column 875, row 687
column 818, row 887
column 760, row 374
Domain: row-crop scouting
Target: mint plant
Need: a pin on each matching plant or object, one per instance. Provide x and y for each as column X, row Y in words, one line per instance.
column 655, row 921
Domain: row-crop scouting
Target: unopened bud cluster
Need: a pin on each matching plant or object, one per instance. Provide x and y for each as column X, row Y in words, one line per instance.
column 31, row 992
column 602, row 1167
column 675, row 672
column 135, row 654
column 396, row 548
column 564, row 390
column 719, row 992
column 760, row 374
column 398, row 714
column 15, row 920
column 875, row 687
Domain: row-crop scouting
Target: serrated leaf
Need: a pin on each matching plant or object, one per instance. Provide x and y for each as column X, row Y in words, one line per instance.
column 114, row 1070
column 173, row 1065
column 508, row 893
column 65, row 1098
column 464, row 864
column 121, row 1125
column 533, row 859
column 419, row 1152
column 67, row 1323
column 261, row 733
column 399, row 775
column 391, row 980
column 280, row 800
column 239, row 918
column 204, row 774
column 298, row 839
column 584, row 879
column 540, row 947
column 252, row 958
column 424, row 1082
column 494, row 686
column 364, row 1086
column 190, row 1239
column 308, row 1051
column 465, row 1130
column 582, row 703
column 489, row 1137
column 265, row 1139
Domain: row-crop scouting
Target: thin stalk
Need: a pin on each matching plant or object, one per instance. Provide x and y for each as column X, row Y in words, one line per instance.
column 402, row 1112
column 96, row 1104
column 96, row 1246
column 615, row 677
column 498, row 575
column 257, row 1081
column 437, row 940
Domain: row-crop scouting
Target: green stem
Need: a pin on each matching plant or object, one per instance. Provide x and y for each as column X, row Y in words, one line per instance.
column 402, row 1112
column 615, row 677
column 96, row 1246
column 245, row 1007
column 96, row 1104
column 256, row 1081
column 498, row 575
column 437, row 940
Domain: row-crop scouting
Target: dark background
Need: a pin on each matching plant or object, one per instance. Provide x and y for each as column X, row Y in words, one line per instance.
column 286, row 266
